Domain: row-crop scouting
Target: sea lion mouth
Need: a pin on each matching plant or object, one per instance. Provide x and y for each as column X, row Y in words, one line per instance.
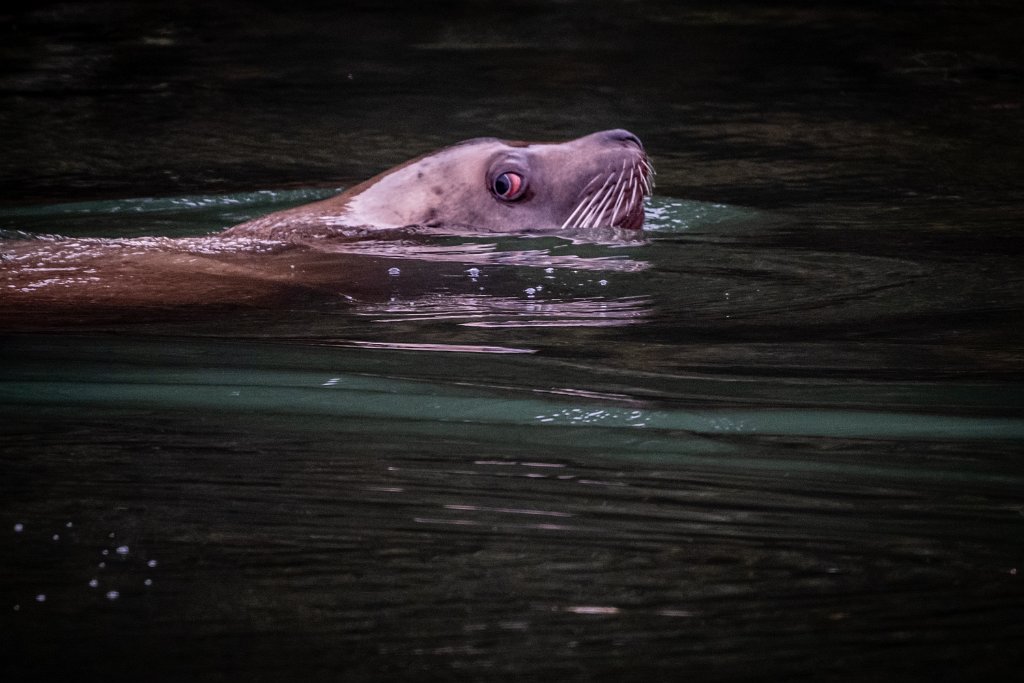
column 615, row 198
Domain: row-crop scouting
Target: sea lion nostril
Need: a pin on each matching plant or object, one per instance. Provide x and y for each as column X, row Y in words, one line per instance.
column 622, row 135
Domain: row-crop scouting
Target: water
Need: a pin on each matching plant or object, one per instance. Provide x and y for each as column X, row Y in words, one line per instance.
column 778, row 438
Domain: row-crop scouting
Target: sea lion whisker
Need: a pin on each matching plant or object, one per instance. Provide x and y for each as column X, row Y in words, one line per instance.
column 631, row 202
column 621, row 193
column 586, row 204
column 614, row 192
column 568, row 221
column 572, row 216
column 578, row 211
column 597, row 202
column 594, row 214
column 593, row 209
column 616, row 195
column 617, row 192
column 647, row 183
column 592, row 205
column 650, row 174
column 615, row 209
column 603, row 206
column 592, row 181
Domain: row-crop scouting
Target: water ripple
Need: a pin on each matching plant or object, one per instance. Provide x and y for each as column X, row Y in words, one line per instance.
column 497, row 311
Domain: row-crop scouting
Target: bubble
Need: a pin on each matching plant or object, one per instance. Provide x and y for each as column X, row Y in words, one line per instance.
column 394, row 272
column 19, row 527
column 549, row 270
column 104, row 552
column 602, row 282
column 122, row 550
column 93, row 583
column 530, row 291
column 56, row 537
column 474, row 272
column 148, row 582
column 113, row 595
column 41, row 597
column 69, row 525
column 151, row 563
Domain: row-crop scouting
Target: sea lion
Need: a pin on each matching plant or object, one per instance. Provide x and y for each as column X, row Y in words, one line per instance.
column 486, row 184
column 595, row 182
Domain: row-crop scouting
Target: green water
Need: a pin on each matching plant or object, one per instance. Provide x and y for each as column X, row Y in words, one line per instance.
column 778, row 438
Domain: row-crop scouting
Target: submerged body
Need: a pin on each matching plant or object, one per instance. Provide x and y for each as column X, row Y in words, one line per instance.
column 485, row 184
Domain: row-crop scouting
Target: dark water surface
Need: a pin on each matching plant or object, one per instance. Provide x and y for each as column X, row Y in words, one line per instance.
column 779, row 438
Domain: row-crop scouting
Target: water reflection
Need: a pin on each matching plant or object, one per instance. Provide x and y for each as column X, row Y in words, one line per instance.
column 503, row 312
column 479, row 254
column 399, row 346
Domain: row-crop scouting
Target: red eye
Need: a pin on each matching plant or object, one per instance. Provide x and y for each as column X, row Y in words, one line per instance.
column 507, row 185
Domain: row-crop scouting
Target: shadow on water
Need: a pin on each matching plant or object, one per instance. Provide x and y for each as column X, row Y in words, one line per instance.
column 778, row 437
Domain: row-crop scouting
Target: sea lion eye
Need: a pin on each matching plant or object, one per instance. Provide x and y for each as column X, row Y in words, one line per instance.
column 507, row 186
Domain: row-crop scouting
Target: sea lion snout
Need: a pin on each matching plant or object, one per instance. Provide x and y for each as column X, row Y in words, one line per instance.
column 623, row 177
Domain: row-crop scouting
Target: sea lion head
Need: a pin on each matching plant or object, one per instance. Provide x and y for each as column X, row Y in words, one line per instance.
column 595, row 181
